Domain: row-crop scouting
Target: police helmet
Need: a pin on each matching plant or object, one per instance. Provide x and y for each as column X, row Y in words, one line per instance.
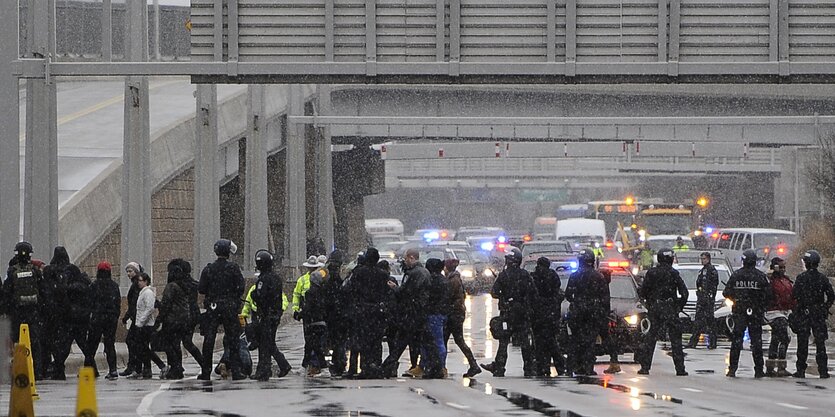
column 811, row 258
column 336, row 258
column 23, row 249
column 586, row 257
column 749, row 257
column 263, row 260
column 223, row 247
column 665, row 256
column 514, row 256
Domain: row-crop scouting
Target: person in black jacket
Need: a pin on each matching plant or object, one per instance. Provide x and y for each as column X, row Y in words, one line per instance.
column 54, row 307
column 410, row 298
column 175, row 315
column 706, row 287
column 814, row 295
column 516, row 292
column 337, row 313
column 457, row 314
column 588, row 293
column 21, row 294
column 750, row 291
column 545, row 322
column 78, row 319
column 267, row 296
column 105, row 316
column 665, row 295
column 132, row 269
column 222, row 284
column 314, row 315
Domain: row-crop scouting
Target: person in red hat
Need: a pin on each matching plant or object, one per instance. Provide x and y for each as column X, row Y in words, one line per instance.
column 107, row 305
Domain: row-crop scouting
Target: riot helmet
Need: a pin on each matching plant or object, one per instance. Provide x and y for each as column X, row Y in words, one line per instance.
column 263, row 260
column 665, row 256
column 23, row 249
column 811, row 259
column 223, row 248
column 749, row 257
column 513, row 257
column 586, row 257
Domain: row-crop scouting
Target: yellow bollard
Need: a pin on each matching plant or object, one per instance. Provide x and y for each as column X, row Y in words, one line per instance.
column 20, row 400
column 26, row 342
column 85, row 404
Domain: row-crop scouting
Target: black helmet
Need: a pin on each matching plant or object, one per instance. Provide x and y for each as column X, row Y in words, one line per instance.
column 665, row 256
column 336, row 258
column 514, row 256
column 586, row 257
column 23, row 249
column 263, row 260
column 811, row 258
column 223, row 247
column 749, row 257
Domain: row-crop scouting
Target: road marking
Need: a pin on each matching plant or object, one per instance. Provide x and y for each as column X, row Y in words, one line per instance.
column 101, row 105
column 792, row 406
column 692, row 389
column 144, row 409
column 458, row 406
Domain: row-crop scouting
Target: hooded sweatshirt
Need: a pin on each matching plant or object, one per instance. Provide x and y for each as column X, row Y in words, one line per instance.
column 107, row 300
column 145, row 307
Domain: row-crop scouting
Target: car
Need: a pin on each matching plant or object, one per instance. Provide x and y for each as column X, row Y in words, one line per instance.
column 465, row 232
column 693, row 257
column 767, row 242
column 476, row 274
column 689, row 273
column 545, row 247
column 656, row 242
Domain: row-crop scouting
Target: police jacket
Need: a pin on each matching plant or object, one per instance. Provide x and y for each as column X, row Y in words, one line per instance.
column 588, row 293
column 368, row 291
column 315, row 302
column 337, row 303
column 411, row 295
column 515, row 290
column 222, row 282
column 664, row 290
column 302, row 285
column 748, row 288
column 813, row 292
column 706, row 286
column 547, row 304
column 457, row 295
column 22, row 286
column 267, row 295
column 107, row 298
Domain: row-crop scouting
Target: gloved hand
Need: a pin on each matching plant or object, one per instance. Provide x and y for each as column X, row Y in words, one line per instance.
column 297, row 315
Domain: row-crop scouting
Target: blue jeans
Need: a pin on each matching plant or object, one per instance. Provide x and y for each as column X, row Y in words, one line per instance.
column 433, row 353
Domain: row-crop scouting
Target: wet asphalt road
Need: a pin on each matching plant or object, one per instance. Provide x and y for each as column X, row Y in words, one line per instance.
column 706, row 392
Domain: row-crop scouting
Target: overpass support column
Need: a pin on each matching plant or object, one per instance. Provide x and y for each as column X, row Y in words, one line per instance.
column 40, row 222
column 324, row 173
column 296, row 229
column 136, row 185
column 206, row 185
column 256, row 221
column 9, row 135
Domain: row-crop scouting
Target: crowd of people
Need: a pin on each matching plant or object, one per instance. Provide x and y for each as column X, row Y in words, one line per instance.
column 350, row 318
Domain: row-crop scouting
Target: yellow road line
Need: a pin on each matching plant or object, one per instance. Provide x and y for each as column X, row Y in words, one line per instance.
column 101, row 105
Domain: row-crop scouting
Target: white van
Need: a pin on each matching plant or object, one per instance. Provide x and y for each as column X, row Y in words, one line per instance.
column 384, row 230
column 767, row 242
column 581, row 232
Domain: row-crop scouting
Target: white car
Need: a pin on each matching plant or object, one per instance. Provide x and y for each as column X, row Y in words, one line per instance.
column 657, row 242
column 689, row 273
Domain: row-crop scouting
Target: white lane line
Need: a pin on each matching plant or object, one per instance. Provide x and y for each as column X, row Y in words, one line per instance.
column 458, row 406
column 692, row 389
column 792, row 406
column 144, row 409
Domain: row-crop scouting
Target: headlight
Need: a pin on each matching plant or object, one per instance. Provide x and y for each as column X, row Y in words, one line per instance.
column 635, row 270
column 467, row 273
column 488, row 272
column 729, row 302
column 631, row 320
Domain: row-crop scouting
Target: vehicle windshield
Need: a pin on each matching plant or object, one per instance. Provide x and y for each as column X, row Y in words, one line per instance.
column 391, row 246
column 762, row 240
column 478, row 257
column 463, row 256
column 655, row 244
column 667, row 224
column 690, row 275
column 381, row 240
column 580, row 242
column 545, row 247
column 438, row 254
column 622, row 287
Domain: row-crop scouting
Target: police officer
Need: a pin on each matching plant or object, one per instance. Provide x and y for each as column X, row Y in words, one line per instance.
column 680, row 245
column 267, row 296
column 706, row 286
column 21, row 290
column 222, row 284
column 516, row 292
column 748, row 288
column 665, row 295
column 370, row 294
column 337, row 313
column 587, row 291
column 814, row 295
column 545, row 322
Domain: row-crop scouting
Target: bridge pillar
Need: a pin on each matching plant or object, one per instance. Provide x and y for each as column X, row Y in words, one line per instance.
column 256, row 221
column 9, row 135
column 295, row 224
column 40, row 222
column 136, row 168
column 206, row 186
column 324, row 173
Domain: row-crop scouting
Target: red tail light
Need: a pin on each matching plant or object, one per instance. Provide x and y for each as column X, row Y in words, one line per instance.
column 527, row 238
column 444, row 235
column 502, row 246
column 781, row 250
column 618, row 264
column 715, row 235
column 609, row 244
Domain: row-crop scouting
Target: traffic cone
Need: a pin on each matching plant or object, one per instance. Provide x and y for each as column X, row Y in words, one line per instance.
column 20, row 400
column 85, row 404
column 26, row 342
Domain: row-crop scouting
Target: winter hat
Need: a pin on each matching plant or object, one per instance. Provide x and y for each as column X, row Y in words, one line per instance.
column 134, row 265
column 312, row 262
column 434, row 265
column 103, row 266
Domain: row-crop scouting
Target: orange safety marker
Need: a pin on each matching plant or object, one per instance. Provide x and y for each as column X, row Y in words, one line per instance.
column 85, row 403
column 26, row 341
column 20, row 400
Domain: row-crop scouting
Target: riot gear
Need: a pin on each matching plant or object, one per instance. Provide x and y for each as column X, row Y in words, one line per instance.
column 263, row 260
column 23, row 249
column 513, row 257
column 586, row 257
column 223, row 247
column 749, row 257
column 665, row 256
column 811, row 259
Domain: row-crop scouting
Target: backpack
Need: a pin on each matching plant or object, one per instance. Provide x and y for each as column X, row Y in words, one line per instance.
column 25, row 285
